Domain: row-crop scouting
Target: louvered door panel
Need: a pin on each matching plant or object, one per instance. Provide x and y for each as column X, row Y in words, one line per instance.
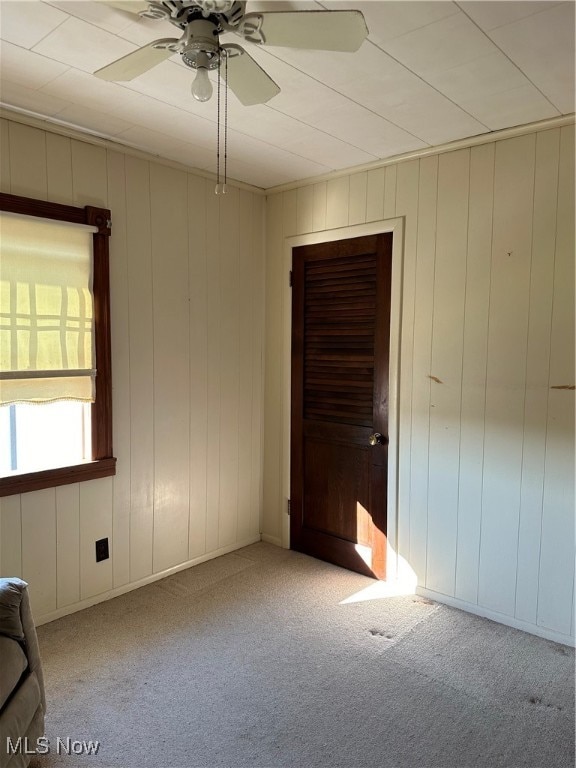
column 340, row 313
column 340, row 342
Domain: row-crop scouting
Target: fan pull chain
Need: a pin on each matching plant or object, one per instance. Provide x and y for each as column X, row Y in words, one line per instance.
column 221, row 187
column 217, row 189
column 225, row 122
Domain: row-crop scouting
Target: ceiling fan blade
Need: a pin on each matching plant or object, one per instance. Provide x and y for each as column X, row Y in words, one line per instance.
column 315, row 30
column 137, row 62
column 130, row 6
column 247, row 79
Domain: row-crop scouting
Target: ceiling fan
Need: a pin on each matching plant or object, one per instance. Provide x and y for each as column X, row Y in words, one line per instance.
column 203, row 21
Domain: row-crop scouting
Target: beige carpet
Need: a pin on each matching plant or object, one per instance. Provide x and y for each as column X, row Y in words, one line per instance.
column 252, row 660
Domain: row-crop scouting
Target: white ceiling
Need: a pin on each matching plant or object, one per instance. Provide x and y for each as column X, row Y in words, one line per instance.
column 429, row 73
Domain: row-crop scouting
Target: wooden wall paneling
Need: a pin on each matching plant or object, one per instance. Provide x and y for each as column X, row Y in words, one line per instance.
column 557, row 550
column 5, row 156
column 319, row 211
column 120, row 325
column 28, row 175
column 477, row 301
column 246, row 407
column 90, row 187
column 375, row 194
column 357, row 198
column 39, row 548
column 258, row 325
column 337, row 202
column 10, row 536
column 169, row 235
column 215, row 308
column 230, row 367
column 67, row 545
column 141, row 353
column 446, row 366
column 305, row 209
column 275, row 277
column 390, row 192
column 537, row 373
column 407, row 206
column 422, row 351
column 198, row 364
column 95, row 524
column 59, row 169
column 290, row 213
column 506, row 371
column 89, row 174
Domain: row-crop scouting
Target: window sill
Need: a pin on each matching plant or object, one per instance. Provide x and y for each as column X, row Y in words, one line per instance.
column 50, row 478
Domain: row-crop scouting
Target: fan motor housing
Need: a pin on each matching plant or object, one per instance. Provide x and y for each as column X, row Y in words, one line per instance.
column 202, row 46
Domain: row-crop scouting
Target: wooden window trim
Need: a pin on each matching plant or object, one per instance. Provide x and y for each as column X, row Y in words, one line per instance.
column 103, row 463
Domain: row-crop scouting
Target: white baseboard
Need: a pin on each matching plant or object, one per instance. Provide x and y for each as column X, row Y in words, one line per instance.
column 103, row 596
column 501, row 618
column 276, row 540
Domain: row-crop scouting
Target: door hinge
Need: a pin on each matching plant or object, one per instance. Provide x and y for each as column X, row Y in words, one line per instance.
column 290, row 281
column 288, row 508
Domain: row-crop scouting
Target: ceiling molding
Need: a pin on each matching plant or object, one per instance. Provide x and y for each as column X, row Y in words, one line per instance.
column 89, row 137
column 473, row 141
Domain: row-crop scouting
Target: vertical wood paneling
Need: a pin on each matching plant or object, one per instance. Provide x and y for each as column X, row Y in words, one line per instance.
column 141, row 353
column 258, row 326
column 555, row 591
column 422, row 350
column 537, row 373
column 198, row 364
column 119, row 320
column 10, row 536
column 506, row 371
column 39, row 548
column 390, row 192
column 247, row 282
column 337, row 202
column 214, row 299
column 272, row 513
column 4, row 156
column 90, row 187
column 492, row 321
column 446, row 365
column 59, row 169
column 95, row 524
column 406, row 205
column 67, row 545
column 28, row 162
column 230, row 367
column 319, row 207
column 290, row 213
column 169, row 236
column 375, row 194
column 305, row 209
column 477, row 301
column 89, row 174
column 358, row 195
column 169, row 348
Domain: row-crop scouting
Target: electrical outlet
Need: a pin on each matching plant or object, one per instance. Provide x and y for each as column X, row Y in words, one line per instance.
column 102, row 552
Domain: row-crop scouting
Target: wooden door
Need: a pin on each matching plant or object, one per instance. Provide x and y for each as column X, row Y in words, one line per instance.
column 339, row 429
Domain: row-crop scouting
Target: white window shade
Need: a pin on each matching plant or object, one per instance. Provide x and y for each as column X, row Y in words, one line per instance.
column 46, row 310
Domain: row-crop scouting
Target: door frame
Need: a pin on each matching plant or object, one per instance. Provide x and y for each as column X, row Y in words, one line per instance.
column 396, row 227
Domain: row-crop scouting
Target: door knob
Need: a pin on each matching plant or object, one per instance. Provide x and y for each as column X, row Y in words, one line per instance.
column 376, row 439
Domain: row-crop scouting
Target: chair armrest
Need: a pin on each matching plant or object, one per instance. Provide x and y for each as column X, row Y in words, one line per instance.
column 31, row 643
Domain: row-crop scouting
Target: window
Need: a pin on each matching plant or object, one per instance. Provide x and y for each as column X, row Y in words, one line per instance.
column 55, row 376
